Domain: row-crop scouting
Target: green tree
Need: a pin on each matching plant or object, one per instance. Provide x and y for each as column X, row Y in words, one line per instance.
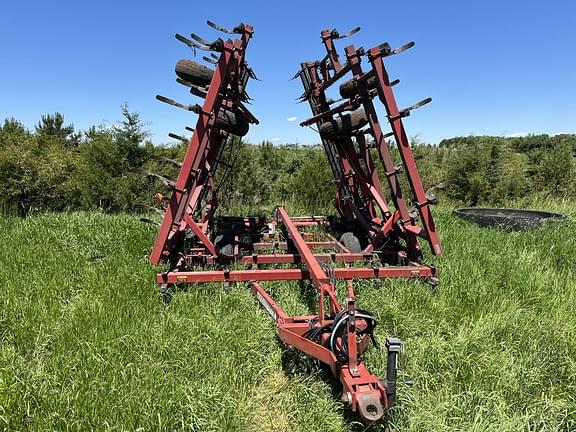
column 313, row 185
column 556, row 171
column 106, row 158
column 12, row 127
column 100, row 173
column 36, row 171
column 51, row 128
column 130, row 134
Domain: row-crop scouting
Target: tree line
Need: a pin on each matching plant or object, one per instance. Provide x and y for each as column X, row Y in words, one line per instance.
column 57, row 168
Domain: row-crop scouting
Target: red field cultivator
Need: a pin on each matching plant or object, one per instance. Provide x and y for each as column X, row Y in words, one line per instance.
column 375, row 236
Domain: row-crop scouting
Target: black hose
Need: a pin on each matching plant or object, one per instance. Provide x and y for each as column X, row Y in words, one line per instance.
column 338, row 331
column 337, row 328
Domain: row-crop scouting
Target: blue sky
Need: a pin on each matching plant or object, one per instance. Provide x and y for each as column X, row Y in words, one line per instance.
column 491, row 67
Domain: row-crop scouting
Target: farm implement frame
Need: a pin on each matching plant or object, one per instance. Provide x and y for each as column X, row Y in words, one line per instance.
column 374, row 236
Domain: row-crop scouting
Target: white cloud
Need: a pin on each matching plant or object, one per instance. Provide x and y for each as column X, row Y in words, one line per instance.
column 275, row 139
column 518, row 135
column 292, row 119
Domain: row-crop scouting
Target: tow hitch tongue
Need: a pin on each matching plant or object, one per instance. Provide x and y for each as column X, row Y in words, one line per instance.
column 372, row 400
column 373, row 237
column 370, row 406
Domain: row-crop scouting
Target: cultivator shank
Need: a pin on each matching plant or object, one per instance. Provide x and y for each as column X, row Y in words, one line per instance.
column 379, row 233
column 194, row 201
column 350, row 129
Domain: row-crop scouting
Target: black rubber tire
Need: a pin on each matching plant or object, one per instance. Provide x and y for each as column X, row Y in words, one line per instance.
column 224, row 246
column 232, row 123
column 344, row 124
column 193, row 72
column 351, row 242
column 200, row 75
column 349, row 89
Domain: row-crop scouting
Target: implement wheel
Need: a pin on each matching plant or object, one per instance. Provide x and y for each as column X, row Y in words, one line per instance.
column 351, row 242
column 224, row 246
column 344, row 124
column 232, row 123
column 349, row 89
column 194, row 73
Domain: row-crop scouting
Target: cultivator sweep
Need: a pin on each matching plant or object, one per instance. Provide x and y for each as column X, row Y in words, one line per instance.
column 374, row 237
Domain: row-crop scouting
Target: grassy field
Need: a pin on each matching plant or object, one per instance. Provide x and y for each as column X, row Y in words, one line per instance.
column 85, row 343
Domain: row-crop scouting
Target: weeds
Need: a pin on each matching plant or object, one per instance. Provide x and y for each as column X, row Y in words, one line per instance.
column 86, row 344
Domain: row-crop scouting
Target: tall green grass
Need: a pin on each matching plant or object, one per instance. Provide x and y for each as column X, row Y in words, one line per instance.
column 86, row 344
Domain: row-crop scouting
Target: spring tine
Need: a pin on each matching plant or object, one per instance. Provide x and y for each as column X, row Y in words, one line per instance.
column 173, row 162
column 198, row 92
column 246, row 112
column 419, row 104
column 441, row 185
column 238, row 29
column 184, row 40
column 170, row 101
column 219, row 28
column 184, row 83
column 194, row 108
column 194, row 89
column 304, row 96
column 192, row 86
column 210, row 60
column 199, row 39
column 372, row 144
column 406, row 111
column 393, row 83
column 403, row 48
column 202, row 47
column 193, row 44
column 252, row 74
column 348, row 34
column 167, row 160
column 177, row 137
column 188, row 128
column 296, row 75
column 170, row 184
column 444, row 184
column 215, row 56
column 217, row 45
